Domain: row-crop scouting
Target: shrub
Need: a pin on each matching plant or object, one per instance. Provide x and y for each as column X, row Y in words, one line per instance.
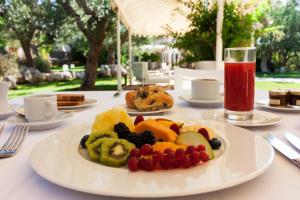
column 8, row 65
column 42, row 65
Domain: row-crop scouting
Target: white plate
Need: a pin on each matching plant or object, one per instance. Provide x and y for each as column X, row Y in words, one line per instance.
column 246, row 156
column 265, row 104
column 133, row 111
column 5, row 115
column 260, row 118
column 39, row 126
column 203, row 103
column 86, row 103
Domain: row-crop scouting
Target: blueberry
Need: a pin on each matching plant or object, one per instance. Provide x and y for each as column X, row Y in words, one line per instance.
column 215, row 143
column 83, row 140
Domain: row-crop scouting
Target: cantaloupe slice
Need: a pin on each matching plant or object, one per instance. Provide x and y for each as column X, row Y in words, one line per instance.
column 168, row 122
column 162, row 146
column 107, row 120
column 159, row 131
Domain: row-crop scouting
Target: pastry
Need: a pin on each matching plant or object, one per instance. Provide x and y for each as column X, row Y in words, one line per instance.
column 70, row 97
column 69, row 103
column 130, row 96
column 151, row 98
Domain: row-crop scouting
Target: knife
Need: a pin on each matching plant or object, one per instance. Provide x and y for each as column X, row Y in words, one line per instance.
column 293, row 139
column 290, row 153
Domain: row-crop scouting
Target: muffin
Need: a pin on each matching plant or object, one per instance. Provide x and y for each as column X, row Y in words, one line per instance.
column 130, row 96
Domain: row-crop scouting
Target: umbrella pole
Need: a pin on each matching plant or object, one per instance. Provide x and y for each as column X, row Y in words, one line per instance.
column 219, row 42
column 119, row 75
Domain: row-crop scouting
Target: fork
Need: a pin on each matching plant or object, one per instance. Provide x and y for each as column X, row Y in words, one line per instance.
column 14, row 142
column 1, row 129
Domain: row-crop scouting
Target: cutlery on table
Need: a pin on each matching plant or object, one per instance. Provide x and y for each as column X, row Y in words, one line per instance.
column 117, row 94
column 287, row 151
column 14, row 142
column 293, row 139
column 1, row 129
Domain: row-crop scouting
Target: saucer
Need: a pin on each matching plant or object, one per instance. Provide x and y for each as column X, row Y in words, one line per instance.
column 260, row 118
column 43, row 125
column 7, row 114
column 203, row 103
column 265, row 104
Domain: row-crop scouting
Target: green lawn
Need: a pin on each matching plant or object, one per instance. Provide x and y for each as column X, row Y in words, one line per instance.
column 59, row 68
column 25, row 89
column 267, row 85
column 278, row 75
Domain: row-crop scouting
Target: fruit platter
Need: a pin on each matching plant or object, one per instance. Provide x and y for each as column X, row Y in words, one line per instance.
column 148, row 144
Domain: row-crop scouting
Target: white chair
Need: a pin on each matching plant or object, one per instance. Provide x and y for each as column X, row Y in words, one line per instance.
column 184, row 77
column 141, row 72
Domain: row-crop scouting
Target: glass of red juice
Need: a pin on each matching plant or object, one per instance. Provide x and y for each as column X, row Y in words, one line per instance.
column 239, row 82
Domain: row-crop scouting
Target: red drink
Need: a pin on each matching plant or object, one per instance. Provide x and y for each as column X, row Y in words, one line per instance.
column 239, row 86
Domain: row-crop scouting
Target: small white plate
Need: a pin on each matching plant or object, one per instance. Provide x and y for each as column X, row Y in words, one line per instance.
column 246, row 156
column 86, row 103
column 260, row 118
column 265, row 104
column 203, row 103
column 5, row 115
column 39, row 126
column 133, row 111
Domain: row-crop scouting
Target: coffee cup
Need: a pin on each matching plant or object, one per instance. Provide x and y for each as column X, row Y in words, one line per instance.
column 42, row 107
column 205, row 89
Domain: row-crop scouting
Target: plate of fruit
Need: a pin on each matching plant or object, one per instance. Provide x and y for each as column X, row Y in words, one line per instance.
column 150, row 157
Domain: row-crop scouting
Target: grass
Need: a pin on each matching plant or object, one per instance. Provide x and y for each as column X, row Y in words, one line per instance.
column 278, row 75
column 268, row 85
column 59, row 69
column 25, row 89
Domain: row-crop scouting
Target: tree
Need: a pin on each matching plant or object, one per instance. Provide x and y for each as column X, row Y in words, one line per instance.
column 27, row 19
column 92, row 18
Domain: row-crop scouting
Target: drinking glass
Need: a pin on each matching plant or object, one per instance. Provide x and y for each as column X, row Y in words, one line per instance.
column 239, row 82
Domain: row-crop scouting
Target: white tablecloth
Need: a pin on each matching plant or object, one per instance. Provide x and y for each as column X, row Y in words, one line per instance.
column 19, row 182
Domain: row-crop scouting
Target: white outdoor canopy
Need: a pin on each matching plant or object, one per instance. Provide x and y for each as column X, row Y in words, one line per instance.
column 152, row 17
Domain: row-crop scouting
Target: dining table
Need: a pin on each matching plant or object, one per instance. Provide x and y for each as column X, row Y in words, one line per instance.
column 18, row 181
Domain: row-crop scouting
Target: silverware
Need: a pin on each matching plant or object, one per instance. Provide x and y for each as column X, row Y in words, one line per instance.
column 117, row 94
column 14, row 142
column 293, row 139
column 1, row 129
column 287, row 151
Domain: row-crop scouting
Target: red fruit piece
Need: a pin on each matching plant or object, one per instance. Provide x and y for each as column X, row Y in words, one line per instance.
column 165, row 164
column 195, row 158
column 157, row 156
column 146, row 150
column 190, row 149
column 149, row 164
column 175, row 128
column 138, row 119
column 135, row 153
column 179, row 154
column 186, row 162
column 203, row 156
column 204, row 132
column 142, row 163
column 168, row 151
column 133, row 164
column 200, row 147
column 176, row 164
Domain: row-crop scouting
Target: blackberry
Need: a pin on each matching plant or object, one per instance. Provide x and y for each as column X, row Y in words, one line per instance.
column 83, row 140
column 215, row 143
column 147, row 137
column 122, row 130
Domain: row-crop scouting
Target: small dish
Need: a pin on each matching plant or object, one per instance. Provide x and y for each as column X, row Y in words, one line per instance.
column 86, row 103
column 203, row 103
column 5, row 115
column 260, row 118
column 40, row 126
column 265, row 104
column 132, row 111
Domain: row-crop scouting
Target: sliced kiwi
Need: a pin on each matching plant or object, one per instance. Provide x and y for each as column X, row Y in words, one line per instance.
column 94, row 149
column 95, row 136
column 115, row 152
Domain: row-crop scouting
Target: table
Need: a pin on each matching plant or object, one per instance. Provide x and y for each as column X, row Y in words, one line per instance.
column 19, row 181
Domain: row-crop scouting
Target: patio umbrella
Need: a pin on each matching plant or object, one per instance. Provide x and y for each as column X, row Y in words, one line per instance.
column 154, row 18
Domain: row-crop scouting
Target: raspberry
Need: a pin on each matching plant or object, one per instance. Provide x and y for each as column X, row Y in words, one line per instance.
column 200, row 147
column 195, row 157
column 146, row 150
column 149, row 164
column 138, row 119
column 142, row 163
column 135, row 153
column 133, row 164
column 203, row 156
column 204, row 132
column 176, row 164
column 186, row 162
column 168, row 150
column 157, row 156
column 175, row 128
column 190, row 149
column 165, row 164
column 179, row 154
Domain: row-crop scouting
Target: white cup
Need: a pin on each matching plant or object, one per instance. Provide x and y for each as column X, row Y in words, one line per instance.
column 4, row 105
column 205, row 89
column 42, row 107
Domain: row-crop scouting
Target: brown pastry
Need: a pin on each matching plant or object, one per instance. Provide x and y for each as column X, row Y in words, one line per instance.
column 130, row 96
column 151, row 98
column 70, row 97
column 69, row 103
